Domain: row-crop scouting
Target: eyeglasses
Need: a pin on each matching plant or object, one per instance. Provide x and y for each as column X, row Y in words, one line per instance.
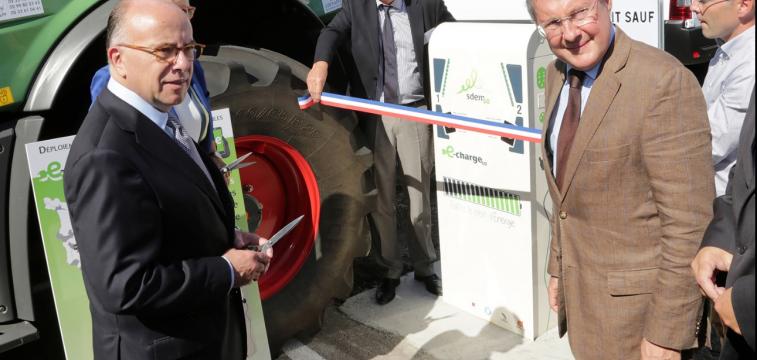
column 705, row 5
column 170, row 53
column 189, row 10
column 578, row 18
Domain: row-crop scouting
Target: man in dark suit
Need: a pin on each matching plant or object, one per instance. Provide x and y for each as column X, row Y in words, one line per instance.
column 151, row 213
column 386, row 40
column 728, row 245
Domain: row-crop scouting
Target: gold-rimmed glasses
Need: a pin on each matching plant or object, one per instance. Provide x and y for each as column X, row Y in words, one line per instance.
column 705, row 5
column 169, row 53
column 580, row 17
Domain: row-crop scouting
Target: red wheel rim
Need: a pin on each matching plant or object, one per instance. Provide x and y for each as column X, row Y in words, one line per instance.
column 284, row 184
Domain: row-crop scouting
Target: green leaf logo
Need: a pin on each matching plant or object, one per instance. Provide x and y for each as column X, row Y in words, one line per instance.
column 541, row 77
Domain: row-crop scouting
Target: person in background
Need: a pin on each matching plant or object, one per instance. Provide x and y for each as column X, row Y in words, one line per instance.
column 728, row 246
column 161, row 261
column 730, row 77
column 387, row 38
column 631, row 179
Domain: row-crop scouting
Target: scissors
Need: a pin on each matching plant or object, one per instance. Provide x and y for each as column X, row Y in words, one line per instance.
column 237, row 164
column 277, row 236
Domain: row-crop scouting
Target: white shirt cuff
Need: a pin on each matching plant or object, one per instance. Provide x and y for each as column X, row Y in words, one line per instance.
column 231, row 272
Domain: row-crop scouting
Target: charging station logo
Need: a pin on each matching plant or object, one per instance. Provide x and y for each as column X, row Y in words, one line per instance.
column 450, row 152
column 469, row 85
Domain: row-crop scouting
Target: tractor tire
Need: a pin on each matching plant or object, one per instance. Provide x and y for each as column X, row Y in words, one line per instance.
column 260, row 88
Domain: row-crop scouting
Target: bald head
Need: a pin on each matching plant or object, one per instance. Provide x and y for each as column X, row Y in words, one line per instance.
column 146, row 42
column 126, row 10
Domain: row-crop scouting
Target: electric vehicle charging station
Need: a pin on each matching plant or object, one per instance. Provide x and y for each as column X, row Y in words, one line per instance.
column 495, row 266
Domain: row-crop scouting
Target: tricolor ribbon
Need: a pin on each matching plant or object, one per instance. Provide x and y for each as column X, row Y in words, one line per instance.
column 424, row 116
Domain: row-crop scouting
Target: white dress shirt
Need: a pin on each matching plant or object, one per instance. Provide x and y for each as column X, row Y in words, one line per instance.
column 408, row 73
column 727, row 89
column 591, row 76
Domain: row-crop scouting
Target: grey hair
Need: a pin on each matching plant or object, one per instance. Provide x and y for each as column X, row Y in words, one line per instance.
column 115, row 30
column 530, row 7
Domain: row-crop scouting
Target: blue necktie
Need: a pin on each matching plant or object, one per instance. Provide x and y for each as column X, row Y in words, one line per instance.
column 186, row 143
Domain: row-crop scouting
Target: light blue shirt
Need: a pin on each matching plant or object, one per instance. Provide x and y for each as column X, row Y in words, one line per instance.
column 130, row 97
column 591, row 76
column 727, row 90
column 158, row 117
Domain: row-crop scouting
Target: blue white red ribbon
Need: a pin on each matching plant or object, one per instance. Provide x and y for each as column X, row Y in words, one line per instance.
column 424, row 116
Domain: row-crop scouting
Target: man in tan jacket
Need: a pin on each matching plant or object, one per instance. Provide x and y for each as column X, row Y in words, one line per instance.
column 628, row 163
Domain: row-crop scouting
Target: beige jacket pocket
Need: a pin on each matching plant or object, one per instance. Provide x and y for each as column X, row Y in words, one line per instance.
column 631, row 282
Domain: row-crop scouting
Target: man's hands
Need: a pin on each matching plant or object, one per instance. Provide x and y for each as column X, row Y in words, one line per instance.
column 317, row 79
column 724, row 307
column 651, row 351
column 248, row 265
column 709, row 259
column 554, row 301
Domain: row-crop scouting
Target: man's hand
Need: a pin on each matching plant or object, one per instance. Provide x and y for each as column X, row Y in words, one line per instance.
column 724, row 307
column 709, row 259
column 248, row 265
column 244, row 239
column 220, row 163
column 651, row 351
column 554, row 302
column 317, row 79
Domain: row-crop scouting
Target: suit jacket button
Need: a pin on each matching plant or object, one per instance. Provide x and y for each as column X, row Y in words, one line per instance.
column 742, row 250
column 563, row 215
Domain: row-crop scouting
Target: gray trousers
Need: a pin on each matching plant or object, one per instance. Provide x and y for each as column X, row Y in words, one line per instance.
column 410, row 143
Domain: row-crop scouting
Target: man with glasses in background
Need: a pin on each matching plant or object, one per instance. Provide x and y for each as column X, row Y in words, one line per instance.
column 729, row 82
column 151, row 213
column 627, row 153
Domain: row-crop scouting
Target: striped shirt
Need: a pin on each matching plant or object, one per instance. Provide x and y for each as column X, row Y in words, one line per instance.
column 408, row 72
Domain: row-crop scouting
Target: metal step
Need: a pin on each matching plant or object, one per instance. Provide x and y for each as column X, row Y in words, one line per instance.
column 16, row 334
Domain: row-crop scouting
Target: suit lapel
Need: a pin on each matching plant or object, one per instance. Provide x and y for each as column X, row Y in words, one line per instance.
column 553, row 93
column 745, row 155
column 744, row 166
column 417, row 27
column 603, row 92
column 155, row 141
column 160, row 146
column 370, row 14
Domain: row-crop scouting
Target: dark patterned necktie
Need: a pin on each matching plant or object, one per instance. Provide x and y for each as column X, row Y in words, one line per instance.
column 570, row 121
column 390, row 81
column 186, row 143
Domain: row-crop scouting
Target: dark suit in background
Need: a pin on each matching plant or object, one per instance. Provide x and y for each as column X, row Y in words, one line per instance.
column 360, row 24
column 357, row 25
column 732, row 229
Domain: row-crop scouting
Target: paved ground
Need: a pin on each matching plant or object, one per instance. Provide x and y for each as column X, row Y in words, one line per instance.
column 416, row 326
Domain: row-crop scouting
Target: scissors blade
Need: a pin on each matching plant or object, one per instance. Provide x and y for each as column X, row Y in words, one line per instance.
column 280, row 234
column 243, row 165
column 234, row 164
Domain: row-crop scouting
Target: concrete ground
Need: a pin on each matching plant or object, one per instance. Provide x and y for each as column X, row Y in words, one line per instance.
column 416, row 325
